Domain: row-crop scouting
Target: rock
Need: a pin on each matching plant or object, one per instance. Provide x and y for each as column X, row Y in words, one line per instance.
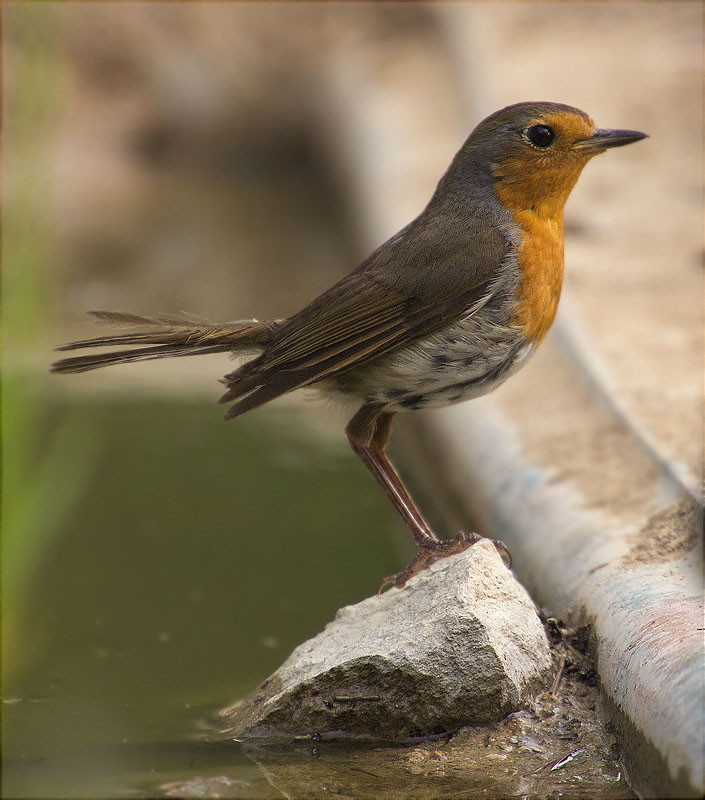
column 461, row 644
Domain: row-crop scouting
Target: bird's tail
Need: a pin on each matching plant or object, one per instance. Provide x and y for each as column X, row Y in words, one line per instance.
column 163, row 337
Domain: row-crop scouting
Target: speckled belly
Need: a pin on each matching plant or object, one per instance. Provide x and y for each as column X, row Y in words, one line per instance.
column 465, row 360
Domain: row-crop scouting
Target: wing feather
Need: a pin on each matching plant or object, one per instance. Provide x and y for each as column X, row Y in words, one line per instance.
column 375, row 309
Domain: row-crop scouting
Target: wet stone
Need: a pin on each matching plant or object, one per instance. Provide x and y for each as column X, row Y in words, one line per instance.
column 460, row 644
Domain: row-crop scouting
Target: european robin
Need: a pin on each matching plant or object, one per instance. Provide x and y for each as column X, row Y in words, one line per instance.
column 445, row 310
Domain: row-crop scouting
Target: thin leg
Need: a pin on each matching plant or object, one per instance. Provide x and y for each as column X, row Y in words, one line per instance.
column 368, row 432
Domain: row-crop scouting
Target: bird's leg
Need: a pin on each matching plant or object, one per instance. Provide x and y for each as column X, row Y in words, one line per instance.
column 368, row 432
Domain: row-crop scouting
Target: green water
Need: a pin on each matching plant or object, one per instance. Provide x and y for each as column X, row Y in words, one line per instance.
column 195, row 556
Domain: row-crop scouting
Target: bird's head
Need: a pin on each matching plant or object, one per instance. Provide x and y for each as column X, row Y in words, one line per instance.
column 535, row 152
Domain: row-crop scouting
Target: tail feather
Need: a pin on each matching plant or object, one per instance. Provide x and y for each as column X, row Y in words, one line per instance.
column 169, row 338
column 252, row 398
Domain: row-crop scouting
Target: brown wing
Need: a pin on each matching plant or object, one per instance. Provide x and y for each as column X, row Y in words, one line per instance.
column 412, row 285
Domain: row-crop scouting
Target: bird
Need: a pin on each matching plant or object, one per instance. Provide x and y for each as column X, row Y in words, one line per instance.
column 444, row 311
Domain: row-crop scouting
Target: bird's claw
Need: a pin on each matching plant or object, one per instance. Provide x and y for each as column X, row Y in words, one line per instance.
column 442, row 548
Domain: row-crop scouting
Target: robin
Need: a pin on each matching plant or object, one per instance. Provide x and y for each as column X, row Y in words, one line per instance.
column 444, row 311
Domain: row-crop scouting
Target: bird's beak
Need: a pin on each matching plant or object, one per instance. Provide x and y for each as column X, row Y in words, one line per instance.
column 602, row 138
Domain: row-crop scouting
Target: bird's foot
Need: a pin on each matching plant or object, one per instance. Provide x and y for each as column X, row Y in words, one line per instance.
column 434, row 551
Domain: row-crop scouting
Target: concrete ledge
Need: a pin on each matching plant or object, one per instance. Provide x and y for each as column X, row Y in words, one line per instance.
column 602, row 533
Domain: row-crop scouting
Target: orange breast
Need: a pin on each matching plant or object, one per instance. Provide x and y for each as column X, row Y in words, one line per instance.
column 540, row 260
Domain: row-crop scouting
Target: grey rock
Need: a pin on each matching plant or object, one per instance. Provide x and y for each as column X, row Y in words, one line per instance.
column 461, row 644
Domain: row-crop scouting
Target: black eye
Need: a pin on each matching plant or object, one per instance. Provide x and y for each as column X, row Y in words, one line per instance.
column 541, row 135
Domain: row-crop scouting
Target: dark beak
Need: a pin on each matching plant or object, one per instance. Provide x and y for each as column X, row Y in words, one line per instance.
column 603, row 138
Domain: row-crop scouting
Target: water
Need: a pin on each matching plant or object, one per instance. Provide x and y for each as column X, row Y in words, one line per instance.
column 196, row 556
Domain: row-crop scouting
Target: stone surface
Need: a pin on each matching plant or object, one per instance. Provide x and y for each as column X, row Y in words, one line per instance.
column 461, row 644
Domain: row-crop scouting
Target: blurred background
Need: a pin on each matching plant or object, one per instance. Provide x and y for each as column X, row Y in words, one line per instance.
column 234, row 160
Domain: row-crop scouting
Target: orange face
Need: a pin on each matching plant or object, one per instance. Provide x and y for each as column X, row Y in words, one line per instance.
column 538, row 177
column 537, row 152
column 533, row 182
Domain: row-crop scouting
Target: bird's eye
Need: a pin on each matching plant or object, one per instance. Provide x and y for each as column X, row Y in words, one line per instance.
column 541, row 136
